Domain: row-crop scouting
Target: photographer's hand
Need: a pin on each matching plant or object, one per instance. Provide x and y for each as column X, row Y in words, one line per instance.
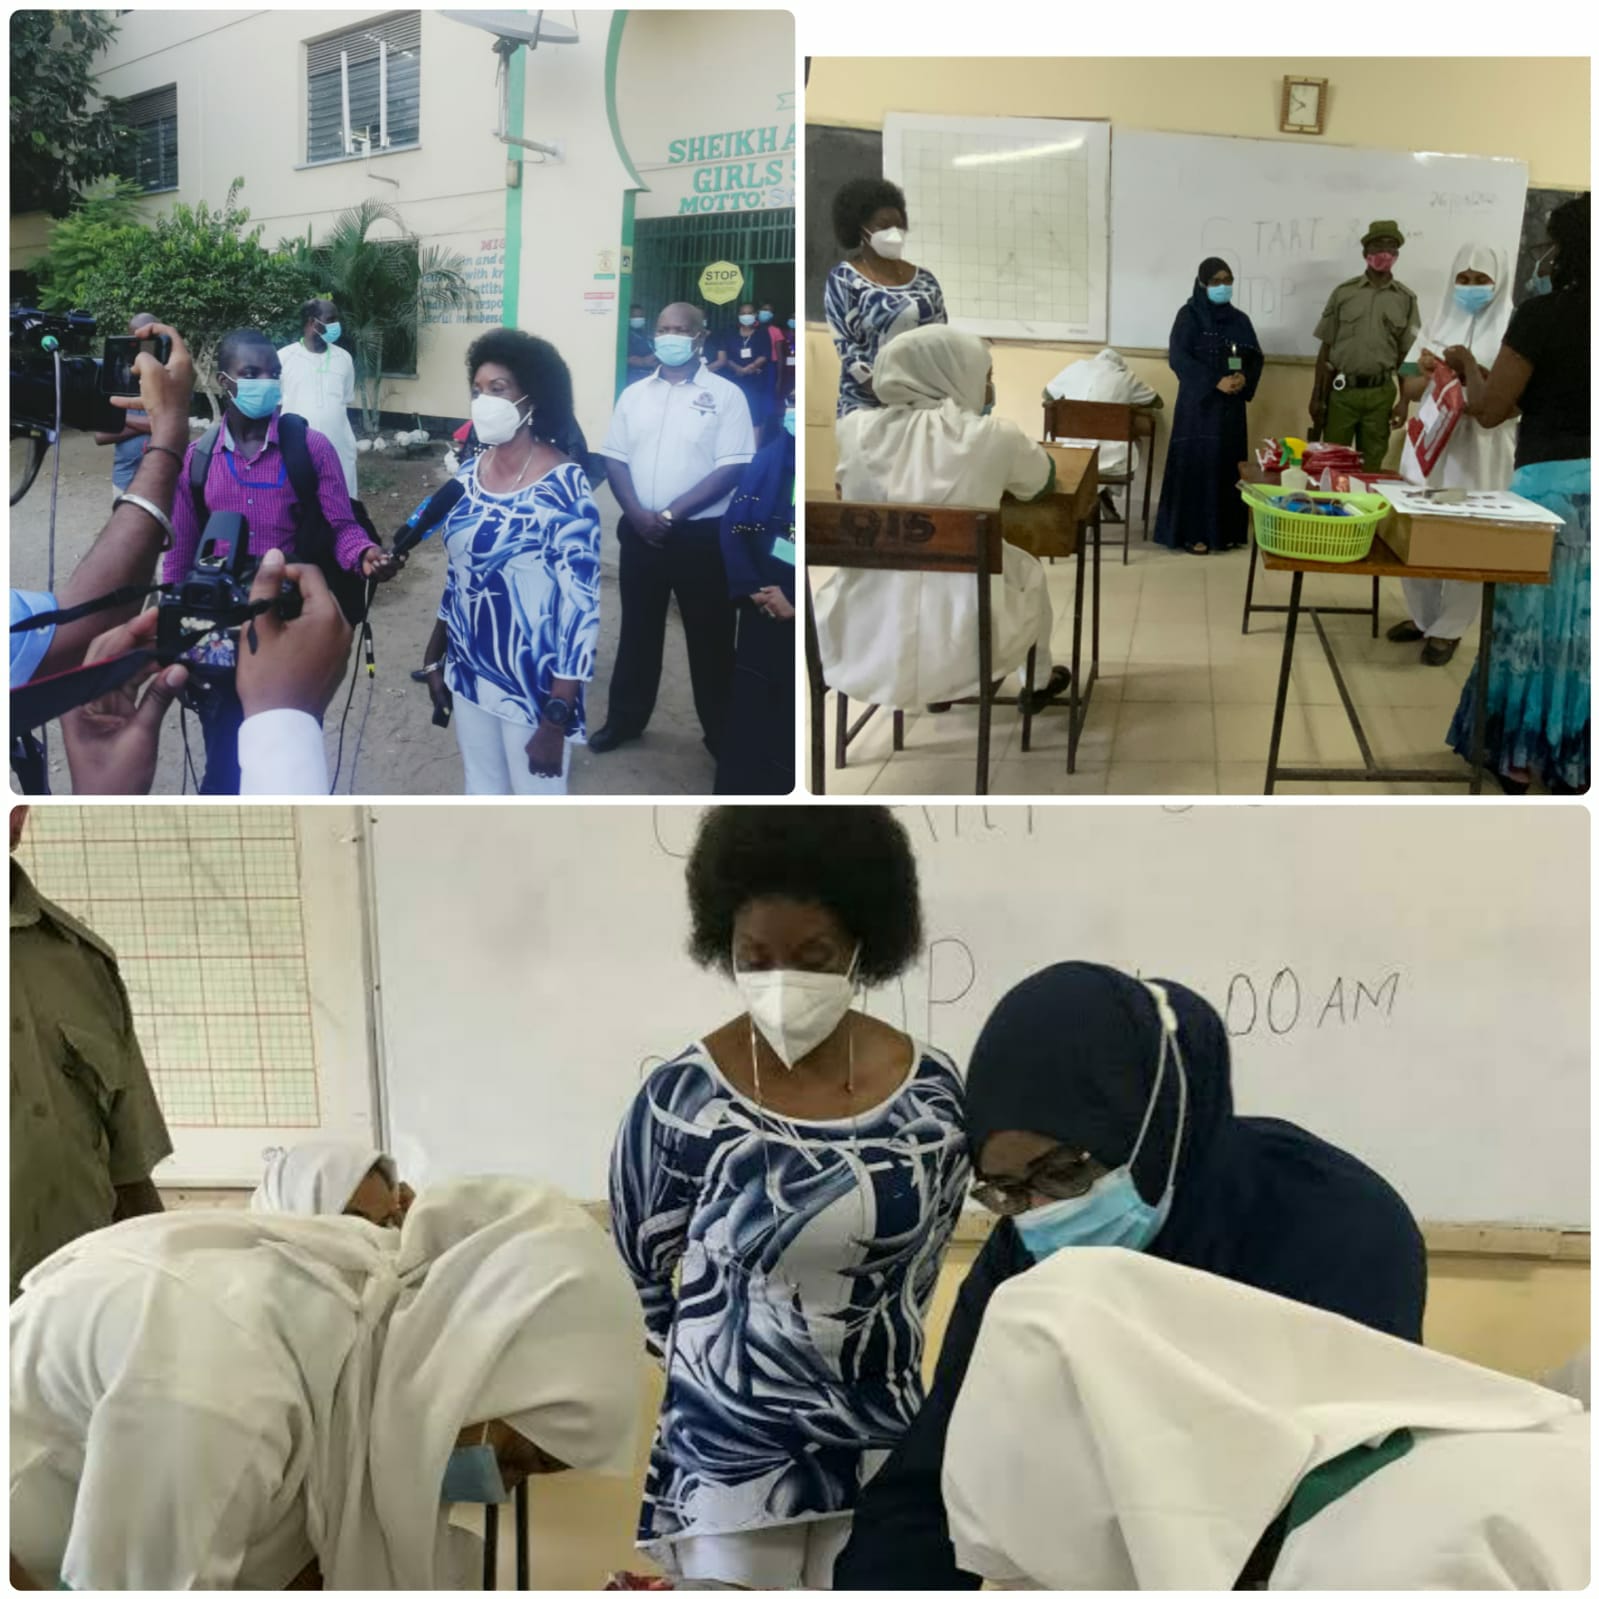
column 294, row 666
column 112, row 742
column 164, row 391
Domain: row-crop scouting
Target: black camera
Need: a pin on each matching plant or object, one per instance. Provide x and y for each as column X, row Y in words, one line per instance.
column 215, row 594
column 36, row 336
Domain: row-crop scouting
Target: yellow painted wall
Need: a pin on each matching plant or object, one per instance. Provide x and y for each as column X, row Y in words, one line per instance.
column 1526, row 1317
column 1535, row 109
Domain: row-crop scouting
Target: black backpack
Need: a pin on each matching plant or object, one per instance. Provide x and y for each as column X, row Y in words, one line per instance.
column 313, row 542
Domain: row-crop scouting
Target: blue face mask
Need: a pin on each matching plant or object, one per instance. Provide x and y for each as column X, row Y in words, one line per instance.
column 766, row 316
column 791, row 321
column 472, row 1477
column 788, row 421
column 1541, row 282
column 674, row 349
column 331, row 331
column 1219, row 293
column 635, row 321
column 257, row 397
column 1474, row 297
column 1113, row 1214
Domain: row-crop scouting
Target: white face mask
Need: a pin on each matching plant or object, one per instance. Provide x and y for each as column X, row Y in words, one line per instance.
column 496, row 419
column 888, row 242
column 795, row 1011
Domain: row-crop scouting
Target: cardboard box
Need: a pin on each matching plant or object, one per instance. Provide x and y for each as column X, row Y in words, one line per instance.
column 1469, row 543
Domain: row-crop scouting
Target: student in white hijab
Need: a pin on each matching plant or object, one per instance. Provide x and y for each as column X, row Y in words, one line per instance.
column 907, row 639
column 333, row 1177
column 224, row 1400
column 1130, row 1423
column 1474, row 312
column 1103, row 379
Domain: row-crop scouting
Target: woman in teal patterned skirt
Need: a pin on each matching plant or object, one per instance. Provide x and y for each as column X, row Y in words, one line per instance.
column 1538, row 679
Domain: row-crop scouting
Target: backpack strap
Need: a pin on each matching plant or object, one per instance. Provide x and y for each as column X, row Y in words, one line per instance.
column 292, row 432
column 200, row 470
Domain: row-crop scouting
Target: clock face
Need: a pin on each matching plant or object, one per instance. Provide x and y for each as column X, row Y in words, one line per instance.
column 1303, row 102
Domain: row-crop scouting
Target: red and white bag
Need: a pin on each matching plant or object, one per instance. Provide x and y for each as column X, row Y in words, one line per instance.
column 1436, row 418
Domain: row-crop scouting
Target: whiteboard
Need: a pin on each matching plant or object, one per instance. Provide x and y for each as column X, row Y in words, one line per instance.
column 1410, row 982
column 1288, row 219
column 240, row 938
column 1010, row 215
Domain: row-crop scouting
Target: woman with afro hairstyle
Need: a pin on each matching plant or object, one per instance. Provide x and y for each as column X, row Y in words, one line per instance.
column 516, row 634
column 783, row 1193
column 874, row 293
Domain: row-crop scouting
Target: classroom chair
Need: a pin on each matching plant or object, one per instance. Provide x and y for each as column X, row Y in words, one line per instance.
column 491, row 1542
column 907, row 538
column 1107, row 424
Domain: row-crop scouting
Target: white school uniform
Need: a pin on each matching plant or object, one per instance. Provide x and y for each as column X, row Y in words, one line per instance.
column 1105, row 380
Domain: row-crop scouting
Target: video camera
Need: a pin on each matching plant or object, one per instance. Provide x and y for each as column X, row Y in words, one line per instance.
column 216, row 592
column 35, row 338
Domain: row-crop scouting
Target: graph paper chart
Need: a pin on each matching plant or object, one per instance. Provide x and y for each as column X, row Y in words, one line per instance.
column 1010, row 214
column 238, row 935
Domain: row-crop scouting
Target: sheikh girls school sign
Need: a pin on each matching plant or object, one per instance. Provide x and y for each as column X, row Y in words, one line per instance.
column 743, row 169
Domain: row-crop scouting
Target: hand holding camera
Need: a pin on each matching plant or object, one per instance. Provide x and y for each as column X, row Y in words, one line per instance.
column 292, row 655
column 163, row 384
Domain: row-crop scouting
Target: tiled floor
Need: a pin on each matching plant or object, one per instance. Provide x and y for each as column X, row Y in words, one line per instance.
column 1184, row 699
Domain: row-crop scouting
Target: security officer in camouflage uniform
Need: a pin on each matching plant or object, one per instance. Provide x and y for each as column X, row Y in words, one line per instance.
column 86, row 1131
column 1365, row 332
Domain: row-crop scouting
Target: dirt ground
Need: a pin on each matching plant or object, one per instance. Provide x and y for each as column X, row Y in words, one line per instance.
column 401, row 752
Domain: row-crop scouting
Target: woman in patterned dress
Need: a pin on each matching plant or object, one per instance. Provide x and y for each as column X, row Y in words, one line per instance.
column 873, row 293
column 782, row 1193
column 516, row 635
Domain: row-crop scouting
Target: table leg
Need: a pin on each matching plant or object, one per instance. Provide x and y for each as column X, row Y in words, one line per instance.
column 1249, row 586
column 1074, row 724
column 1095, row 660
column 1374, row 601
column 1479, row 728
column 523, row 1559
column 491, row 1546
column 1282, row 681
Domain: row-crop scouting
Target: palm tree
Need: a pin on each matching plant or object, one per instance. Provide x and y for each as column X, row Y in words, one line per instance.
column 385, row 289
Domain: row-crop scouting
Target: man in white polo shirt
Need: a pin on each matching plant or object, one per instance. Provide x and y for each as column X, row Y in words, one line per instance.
column 679, row 439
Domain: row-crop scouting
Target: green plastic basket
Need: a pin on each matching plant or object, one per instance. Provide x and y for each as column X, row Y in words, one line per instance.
column 1306, row 537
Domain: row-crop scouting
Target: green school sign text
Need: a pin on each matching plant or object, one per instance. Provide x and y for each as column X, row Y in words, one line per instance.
column 743, row 169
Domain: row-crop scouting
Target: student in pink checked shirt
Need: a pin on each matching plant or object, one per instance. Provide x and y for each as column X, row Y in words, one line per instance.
column 248, row 474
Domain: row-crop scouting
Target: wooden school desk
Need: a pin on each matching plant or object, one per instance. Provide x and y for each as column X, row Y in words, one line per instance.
column 1381, row 563
column 1053, row 526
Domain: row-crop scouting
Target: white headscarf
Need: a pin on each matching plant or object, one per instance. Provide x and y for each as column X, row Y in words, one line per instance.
column 1126, row 1422
column 1483, row 333
column 317, row 1178
column 500, row 1298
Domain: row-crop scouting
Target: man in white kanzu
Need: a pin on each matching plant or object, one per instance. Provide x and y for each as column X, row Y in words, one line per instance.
column 679, row 439
column 1127, row 1422
column 906, row 639
column 319, row 382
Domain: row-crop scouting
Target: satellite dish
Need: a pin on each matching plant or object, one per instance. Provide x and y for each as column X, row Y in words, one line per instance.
column 531, row 28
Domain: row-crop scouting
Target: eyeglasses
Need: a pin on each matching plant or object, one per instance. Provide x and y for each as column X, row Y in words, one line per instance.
column 1059, row 1174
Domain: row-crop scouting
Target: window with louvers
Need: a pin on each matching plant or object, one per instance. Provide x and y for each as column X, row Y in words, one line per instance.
column 151, row 159
column 382, row 63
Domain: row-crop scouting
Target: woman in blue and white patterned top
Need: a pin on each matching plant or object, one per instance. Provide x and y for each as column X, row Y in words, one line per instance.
column 783, row 1192
column 873, row 293
column 517, row 631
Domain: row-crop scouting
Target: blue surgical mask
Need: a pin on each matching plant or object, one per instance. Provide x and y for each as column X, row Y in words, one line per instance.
column 472, row 1477
column 1219, row 293
column 766, row 316
column 1541, row 282
column 635, row 321
column 1474, row 297
column 331, row 331
column 746, row 321
column 257, row 397
column 791, row 321
column 1113, row 1214
column 788, row 421
column 674, row 349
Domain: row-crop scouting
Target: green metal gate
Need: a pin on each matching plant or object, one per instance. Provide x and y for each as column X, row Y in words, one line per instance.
column 669, row 253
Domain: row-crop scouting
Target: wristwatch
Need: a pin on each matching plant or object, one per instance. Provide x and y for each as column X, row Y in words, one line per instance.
column 665, row 516
column 556, row 712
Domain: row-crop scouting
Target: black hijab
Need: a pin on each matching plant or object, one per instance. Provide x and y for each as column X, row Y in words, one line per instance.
column 1225, row 321
column 1071, row 1052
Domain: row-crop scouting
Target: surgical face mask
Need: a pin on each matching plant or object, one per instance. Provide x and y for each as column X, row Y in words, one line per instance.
column 1219, row 293
column 888, row 243
column 766, row 316
column 472, row 1476
column 1541, row 282
column 1113, row 1214
column 1382, row 260
column 635, row 322
column 791, row 322
column 788, row 420
column 257, row 397
column 795, row 1011
column 674, row 349
column 1474, row 297
column 746, row 321
column 331, row 331
column 496, row 419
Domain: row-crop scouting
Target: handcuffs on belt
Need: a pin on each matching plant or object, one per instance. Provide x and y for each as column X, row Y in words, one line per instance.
column 1340, row 381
